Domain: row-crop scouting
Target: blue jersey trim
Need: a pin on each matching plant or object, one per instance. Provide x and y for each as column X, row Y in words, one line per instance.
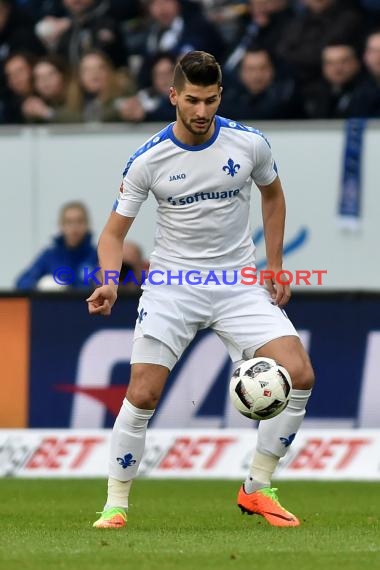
column 153, row 141
column 197, row 147
column 229, row 124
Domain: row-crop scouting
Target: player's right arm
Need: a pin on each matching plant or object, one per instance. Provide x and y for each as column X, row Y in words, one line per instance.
column 110, row 252
column 133, row 191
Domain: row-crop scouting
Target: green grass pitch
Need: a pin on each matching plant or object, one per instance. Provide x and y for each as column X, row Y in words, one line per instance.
column 46, row 524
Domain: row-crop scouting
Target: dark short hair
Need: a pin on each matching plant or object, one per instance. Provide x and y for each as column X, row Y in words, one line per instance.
column 197, row 68
column 342, row 44
column 373, row 32
column 163, row 55
column 254, row 49
column 27, row 56
column 56, row 61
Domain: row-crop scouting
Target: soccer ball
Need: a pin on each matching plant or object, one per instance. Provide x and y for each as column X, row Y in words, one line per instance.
column 260, row 388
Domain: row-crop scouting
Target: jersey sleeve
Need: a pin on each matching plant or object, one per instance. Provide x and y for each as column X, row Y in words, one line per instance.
column 134, row 188
column 265, row 170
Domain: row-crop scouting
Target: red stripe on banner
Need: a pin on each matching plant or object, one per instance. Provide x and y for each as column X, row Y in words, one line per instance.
column 111, row 397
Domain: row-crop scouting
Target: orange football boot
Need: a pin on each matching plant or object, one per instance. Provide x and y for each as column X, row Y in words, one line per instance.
column 265, row 503
column 114, row 517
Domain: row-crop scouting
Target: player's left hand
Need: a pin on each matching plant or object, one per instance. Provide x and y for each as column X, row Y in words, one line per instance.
column 280, row 292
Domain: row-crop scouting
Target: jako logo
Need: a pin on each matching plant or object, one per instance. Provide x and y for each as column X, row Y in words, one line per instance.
column 177, row 177
column 230, row 168
column 203, row 196
column 126, row 461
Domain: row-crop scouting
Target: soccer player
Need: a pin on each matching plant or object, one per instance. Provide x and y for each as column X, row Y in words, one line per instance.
column 200, row 169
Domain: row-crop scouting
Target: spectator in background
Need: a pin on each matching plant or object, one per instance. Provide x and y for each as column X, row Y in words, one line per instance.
column 39, row 9
column 264, row 27
column 169, row 31
column 87, row 26
column 72, row 249
column 18, row 71
column 132, row 268
column 16, row 31
column 372, row 56
column 260, row 93
column 371, row 84
column 16, row 34
column 100, row 87
column 340, row 93
column 50, row 104
column 323, row 22
column 152, row 103
column 226, row 15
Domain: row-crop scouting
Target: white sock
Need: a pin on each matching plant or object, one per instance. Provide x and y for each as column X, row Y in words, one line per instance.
column 127, row 448
column 273, row 440
column 262, row 469
column 118, row 493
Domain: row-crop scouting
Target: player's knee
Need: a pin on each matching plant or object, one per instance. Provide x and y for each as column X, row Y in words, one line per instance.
column 142, row 392
column 143, row 398
column 302, row 374
column 146, row 385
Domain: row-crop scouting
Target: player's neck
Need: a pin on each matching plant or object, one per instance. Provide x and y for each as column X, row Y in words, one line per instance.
column 186, row 137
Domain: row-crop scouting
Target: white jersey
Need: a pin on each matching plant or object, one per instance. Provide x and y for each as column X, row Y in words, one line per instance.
column 203, row 195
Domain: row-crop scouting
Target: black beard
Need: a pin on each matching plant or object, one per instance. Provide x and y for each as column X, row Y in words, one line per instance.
column 188, row 126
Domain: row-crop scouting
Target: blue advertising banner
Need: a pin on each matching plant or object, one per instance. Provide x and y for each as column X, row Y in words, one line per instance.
column 79, row 365
column 60, row 327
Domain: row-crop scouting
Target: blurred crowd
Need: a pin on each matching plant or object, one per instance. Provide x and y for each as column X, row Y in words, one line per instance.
column 64, row 61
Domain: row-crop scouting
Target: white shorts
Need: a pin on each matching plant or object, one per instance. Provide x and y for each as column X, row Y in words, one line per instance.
column 243, row 316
